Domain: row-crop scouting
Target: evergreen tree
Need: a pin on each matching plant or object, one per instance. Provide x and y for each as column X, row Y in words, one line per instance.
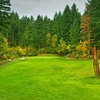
column 57, row 25
column 31, row 20
column 13, row 32
column 47, row 25
column 27, row 35
column 75, row 32
column 38, row 37
column 75, row 14
column 4, row 16
column 23, row 22
column 66, row 22
column 75, row 25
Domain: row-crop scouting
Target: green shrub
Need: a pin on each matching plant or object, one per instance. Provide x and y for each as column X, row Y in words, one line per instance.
column 42, row 51
column 73, row 54
column 77, row 56
column 62, row 48
column 3, row 46
column 31, row 51
column 50, row 50
column 69, row 55
column 14, row 52
column 11, row 52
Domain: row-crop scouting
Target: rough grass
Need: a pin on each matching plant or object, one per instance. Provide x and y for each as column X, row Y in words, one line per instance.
column 48, row 78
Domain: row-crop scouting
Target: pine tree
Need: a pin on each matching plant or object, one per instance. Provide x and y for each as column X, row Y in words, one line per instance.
column 57, row 25
column 23, row 22
column 47, row 25
column 75, row 25
column 13, row 32
column 75, row 32
column 4, row 16
column 75, row 14
column 27, row 36
column 66, row 22
column 38, row 36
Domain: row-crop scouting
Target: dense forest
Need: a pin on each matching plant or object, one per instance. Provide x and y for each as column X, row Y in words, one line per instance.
column 68, row 33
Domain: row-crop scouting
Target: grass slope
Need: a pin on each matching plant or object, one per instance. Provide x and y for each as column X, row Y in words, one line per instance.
column 48, row 78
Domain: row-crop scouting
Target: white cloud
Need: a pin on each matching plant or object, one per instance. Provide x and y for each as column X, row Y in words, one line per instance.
column 44, row 7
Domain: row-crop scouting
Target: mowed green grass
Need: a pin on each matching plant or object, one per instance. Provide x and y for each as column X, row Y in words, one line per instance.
column 48, row 78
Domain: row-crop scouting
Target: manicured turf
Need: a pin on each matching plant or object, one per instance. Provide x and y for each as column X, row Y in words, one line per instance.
column 48, row 78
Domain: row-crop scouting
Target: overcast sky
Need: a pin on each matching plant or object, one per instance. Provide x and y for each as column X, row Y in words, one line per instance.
column 44, row 7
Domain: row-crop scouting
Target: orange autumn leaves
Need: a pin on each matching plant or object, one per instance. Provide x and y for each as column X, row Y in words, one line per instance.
column 86, row 31
column 85, row 27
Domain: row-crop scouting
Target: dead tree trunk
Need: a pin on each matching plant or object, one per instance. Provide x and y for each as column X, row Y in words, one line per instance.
column 95, row 62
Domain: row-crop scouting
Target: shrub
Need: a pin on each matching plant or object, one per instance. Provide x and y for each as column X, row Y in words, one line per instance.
column 50, row 50
column 70, row 48
column 73, row 54
column 31, row 51
column 21, row 51
column 14, row 52
column 82, row 49
column 11, row 53
column 42, row 51
column 69, row 55
column 3, row 46
column 62, row 48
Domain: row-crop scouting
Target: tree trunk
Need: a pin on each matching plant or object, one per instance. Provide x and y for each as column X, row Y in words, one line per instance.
column 13, row 38
column 95, row 62
column 89, row 53
column 89, row 44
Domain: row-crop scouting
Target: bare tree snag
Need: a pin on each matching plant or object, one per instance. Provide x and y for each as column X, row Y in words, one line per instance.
column 95, row 62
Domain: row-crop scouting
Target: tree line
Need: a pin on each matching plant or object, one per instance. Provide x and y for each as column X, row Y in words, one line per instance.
column 27, row 31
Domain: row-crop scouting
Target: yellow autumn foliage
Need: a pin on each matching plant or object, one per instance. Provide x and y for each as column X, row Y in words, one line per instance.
column 21, row 51
column 48, row 41
column 83, row 48
column 54, row 40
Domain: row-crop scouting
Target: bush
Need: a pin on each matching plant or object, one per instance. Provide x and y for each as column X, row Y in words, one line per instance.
column 42, row 51
column 14, row 52
column 21, row 51
column 50, row 50
column 3, row 46
column 68, row 55
column 31, row 51
column 62, row 48
column 82, row 49
column 73, row 54
column 11, row 53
